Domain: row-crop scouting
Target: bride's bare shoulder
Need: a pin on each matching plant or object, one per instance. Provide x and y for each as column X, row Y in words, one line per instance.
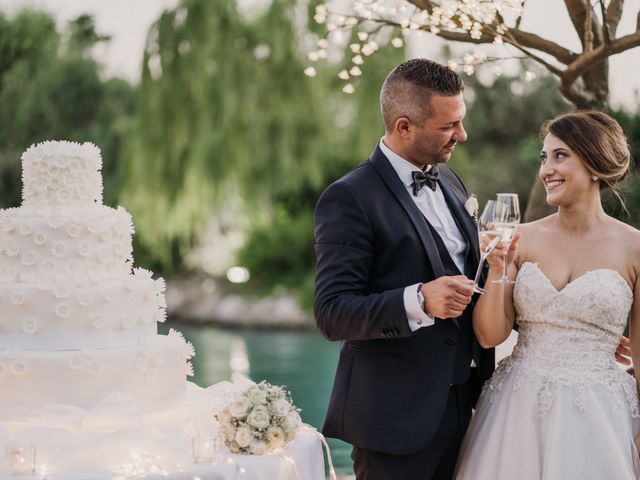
column 538, row 227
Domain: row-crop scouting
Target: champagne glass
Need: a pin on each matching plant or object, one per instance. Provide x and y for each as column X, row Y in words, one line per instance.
column 488, row 238
column 506, row 220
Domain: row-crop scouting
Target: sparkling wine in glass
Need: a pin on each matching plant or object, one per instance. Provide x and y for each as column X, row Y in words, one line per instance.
column 488, row 238
column 506, row 220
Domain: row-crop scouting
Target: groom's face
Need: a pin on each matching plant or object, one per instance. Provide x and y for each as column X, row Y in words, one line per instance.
column 436, row 139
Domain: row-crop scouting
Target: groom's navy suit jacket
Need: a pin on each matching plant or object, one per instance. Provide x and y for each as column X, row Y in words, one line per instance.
column 372, row 241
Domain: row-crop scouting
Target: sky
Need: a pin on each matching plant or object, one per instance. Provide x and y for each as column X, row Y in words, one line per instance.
column 128, row 21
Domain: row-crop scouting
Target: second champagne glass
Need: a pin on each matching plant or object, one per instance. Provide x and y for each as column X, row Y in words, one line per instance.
column 506, row 220
column 488, row 238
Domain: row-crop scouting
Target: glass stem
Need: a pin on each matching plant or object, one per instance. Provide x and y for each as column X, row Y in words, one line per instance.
column 483, row 257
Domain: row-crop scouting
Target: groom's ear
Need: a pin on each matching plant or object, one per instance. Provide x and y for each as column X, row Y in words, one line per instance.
column 403, row 127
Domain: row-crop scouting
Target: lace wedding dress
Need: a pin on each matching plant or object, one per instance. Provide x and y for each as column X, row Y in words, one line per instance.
column 559, row 408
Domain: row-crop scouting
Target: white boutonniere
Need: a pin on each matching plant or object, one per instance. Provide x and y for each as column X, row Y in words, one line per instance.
column 471, row 206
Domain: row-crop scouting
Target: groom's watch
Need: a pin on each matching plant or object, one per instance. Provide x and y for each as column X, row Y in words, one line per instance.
column 421, row 299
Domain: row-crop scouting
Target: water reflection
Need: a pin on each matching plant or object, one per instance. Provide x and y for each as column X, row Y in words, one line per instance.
column 302, row 361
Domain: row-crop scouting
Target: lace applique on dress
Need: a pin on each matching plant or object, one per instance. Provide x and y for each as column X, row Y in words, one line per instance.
column 567, row 338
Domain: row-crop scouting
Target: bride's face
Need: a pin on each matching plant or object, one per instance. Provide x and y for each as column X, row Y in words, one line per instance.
column 563, row 173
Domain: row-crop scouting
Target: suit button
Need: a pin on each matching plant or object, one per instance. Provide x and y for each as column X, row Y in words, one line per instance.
column 451, row 341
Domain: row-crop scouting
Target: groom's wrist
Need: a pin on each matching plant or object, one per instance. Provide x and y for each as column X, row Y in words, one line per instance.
column 421, row 300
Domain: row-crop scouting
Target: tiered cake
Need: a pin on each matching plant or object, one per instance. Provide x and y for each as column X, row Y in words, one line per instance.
column 80, row 357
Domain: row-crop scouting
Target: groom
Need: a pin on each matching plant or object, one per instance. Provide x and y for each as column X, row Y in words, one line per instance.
column 395, row 247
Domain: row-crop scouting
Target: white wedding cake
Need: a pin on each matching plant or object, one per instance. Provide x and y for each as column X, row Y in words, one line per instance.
column 84, row 376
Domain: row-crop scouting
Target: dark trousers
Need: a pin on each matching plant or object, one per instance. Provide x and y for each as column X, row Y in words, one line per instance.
column 436, row 462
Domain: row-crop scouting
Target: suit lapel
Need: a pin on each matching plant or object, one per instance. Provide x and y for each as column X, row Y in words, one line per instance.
column 465, row 222
column 397, row 188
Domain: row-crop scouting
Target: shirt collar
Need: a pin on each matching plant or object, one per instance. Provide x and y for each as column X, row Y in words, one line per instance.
column 402, row 167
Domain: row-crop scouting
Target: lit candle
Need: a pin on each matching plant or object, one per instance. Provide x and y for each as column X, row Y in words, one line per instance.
column 206, row 448
column 21, row 459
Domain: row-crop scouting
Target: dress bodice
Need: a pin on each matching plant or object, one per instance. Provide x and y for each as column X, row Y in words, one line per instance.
column 568, row 337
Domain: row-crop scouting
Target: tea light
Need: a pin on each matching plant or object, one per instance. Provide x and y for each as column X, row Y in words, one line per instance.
column 21, row 459
column 206, row 448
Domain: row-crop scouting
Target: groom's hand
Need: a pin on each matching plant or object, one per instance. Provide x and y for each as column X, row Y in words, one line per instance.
column 447, row 297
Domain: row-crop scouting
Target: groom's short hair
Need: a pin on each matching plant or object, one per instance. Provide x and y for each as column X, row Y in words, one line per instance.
column 408, row 89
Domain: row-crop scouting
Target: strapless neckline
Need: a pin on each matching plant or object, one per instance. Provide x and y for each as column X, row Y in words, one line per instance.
column 585, row 275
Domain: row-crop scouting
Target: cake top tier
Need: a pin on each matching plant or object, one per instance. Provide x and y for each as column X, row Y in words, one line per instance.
column 61, row 174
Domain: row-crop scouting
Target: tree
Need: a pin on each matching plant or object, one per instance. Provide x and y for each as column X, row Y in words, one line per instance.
column 50, row 88
column 582, row 76
column 226, row 115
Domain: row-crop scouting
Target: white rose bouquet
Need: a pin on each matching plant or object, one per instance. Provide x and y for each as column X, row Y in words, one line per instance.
column 259, row 420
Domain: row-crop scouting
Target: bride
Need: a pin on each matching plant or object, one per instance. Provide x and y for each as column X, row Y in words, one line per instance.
column 559, row 407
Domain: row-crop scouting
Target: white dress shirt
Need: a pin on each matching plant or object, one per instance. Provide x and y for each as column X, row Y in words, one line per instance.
column 434, row 207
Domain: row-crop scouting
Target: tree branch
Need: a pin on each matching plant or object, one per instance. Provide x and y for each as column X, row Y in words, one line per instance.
column 613, row 16
column 588, row 34
column 588, row 59
column 605, row 24
column 580, row 13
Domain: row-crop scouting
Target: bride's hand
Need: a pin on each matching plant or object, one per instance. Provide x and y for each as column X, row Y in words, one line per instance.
column 497, row 257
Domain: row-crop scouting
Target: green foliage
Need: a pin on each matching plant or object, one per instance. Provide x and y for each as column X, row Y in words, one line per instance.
column 631, row 187
column 49, row 92
column 502, row 151
column 225, row 109
column 279, row 253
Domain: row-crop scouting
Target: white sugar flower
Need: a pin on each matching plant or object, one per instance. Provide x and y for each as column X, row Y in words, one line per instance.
column 63, row 310
column 28, row 259
column 106, row 235
column 47, row 267
column 98, row 321
column 25, row 229
column 29, row 326
column 11, row 249
column 61, row 291
column 17, row 298
column 74, row 268
column 74, row 230
column 239, row 407
column 39, row 238
column 85, row 298
column 7, row 274
column 93, row 367
column 105, row 256
column 109, row 295
column 54, row 222
column 84, row 250
column 77, row 362
column 59, row 250
column 63, row 194
column 18, row 367
column 243, row 437
column 259, row 417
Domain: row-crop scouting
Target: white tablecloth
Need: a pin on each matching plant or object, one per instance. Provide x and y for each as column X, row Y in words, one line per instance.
column 302, row 459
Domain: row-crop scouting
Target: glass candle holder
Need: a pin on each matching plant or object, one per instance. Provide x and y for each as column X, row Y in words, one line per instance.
column 21, row 459
column 207, row 448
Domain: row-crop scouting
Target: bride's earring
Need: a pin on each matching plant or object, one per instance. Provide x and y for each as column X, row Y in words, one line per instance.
column 594, row 178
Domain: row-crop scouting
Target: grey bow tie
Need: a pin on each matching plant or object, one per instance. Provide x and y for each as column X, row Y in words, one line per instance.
column 421, row 179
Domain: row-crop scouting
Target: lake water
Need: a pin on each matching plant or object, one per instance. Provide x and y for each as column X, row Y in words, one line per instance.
column 304, row 362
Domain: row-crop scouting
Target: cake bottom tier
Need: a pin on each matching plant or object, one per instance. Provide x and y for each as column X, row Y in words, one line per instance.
column 130, row 443
column 36, row 384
